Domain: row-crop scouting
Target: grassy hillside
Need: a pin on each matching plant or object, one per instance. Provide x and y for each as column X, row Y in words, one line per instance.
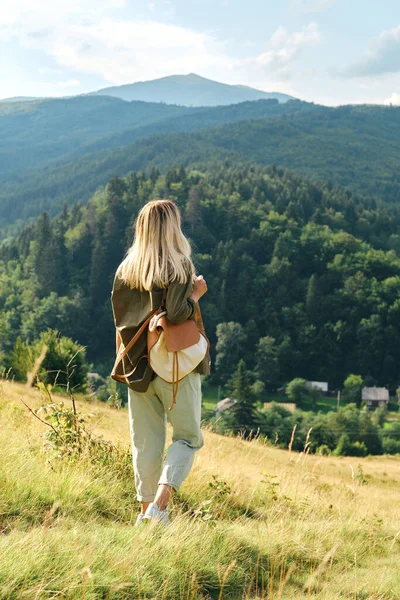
column 249, row 522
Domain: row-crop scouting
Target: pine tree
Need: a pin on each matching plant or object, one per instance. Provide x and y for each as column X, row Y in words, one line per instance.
column 81, row 254
column 314, row 299
column 116, row 222
column 62, row 221
column 42, row 236
column 193, row 210
column 243, row 414
column 59, row 254
column 97, row 290
column 43, row 258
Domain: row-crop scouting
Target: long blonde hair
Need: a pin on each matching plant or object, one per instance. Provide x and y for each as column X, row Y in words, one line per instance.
column 160, row 253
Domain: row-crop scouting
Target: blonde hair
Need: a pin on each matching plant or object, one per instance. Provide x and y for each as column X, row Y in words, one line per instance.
column 160, row 253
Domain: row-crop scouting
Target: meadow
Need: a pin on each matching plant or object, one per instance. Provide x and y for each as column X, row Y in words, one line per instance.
column 250, row 522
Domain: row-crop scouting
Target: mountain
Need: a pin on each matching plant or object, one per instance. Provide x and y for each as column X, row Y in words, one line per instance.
column 46, row 144
column 188, row 90
column 19, row 99
column 33, row 134
column 57, row 150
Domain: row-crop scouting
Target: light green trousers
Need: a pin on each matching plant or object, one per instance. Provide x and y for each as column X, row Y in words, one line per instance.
column 148, row 415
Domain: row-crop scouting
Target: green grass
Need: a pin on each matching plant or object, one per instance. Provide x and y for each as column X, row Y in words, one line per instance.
column 210, row 399
column 250, row 522
column 325, row 404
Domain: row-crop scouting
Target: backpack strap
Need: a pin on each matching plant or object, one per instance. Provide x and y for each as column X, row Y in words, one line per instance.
column 121, row 355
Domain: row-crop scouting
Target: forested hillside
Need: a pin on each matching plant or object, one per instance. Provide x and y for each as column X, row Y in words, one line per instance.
column 35, row 134
column 63, row 149
column 71, row 155
column 40, row 133
column 307, row 275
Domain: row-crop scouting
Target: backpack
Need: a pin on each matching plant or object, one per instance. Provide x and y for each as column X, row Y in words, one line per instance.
column 173, row 351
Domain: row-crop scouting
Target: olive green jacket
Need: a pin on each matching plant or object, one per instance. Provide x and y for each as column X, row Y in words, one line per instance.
column 131, row 307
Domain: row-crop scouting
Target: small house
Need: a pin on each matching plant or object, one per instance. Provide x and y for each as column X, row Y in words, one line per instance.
column 223, row 405
column 374, row 397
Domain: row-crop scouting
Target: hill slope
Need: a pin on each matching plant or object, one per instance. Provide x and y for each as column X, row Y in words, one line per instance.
column 43, row 132
column 353, row 146
column 315, row 270
column 188, row 90
column 55, row 150
column 19, row 99
column 249, row 521
column 34, row 134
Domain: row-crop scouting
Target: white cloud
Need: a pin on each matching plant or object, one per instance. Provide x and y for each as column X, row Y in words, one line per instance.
column 381, row 57
column 283, row 48
column 125, row 51
column 83, row 36
column 49, row 71
column 24, row 19
column 394, row 99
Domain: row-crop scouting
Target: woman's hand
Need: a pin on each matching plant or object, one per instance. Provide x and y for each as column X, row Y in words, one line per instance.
column 199, row 288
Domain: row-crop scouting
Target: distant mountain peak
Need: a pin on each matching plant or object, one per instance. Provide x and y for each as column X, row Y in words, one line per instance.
column 188, row 90
column 195, row 76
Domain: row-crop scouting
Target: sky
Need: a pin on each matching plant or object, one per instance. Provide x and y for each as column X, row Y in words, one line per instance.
column 325, row 51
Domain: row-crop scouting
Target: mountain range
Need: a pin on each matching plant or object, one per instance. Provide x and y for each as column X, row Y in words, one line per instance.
column 182, row 90
column 57, row 150
column 188, row 90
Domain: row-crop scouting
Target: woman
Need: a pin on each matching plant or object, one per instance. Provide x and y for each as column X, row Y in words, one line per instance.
column 159, row 258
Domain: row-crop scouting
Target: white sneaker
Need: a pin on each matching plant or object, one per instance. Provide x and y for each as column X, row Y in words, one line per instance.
column 139, row 519
column 156, row 514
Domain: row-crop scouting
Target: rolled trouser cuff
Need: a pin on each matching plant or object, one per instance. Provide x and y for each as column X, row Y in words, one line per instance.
column 145, row 498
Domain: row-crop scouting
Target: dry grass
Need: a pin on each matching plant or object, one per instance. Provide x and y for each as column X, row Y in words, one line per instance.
column 278, row 525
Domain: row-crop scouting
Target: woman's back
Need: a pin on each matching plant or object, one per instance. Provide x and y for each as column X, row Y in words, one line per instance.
column 158, row 259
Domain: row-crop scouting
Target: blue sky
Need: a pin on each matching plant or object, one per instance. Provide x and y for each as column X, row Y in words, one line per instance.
column 327, row 51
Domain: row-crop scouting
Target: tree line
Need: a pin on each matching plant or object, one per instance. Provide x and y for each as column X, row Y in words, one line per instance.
column 303, row 278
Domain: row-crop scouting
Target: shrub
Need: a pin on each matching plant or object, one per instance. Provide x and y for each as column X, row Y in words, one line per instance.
column 63, row 354
column 296, row 389
column 352, row 389
column 20, row 359
column 324, row 450
column 347, row 448
column 391, row 446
